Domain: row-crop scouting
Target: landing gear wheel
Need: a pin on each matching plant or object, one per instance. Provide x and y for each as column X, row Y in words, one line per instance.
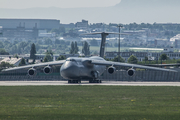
column 95, row 81
column 74, row 81
column 69, row 81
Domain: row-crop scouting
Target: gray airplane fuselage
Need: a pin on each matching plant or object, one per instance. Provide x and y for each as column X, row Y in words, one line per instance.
column 81, row 68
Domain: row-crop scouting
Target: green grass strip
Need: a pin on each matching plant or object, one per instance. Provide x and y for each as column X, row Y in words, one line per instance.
column 89, row 103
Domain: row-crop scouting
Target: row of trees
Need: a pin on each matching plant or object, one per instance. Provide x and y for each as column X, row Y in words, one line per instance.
column 133, row 59
column 23, row 47
column 85, row 49
column 3, row 52
column 74, row 48
column 5, row 65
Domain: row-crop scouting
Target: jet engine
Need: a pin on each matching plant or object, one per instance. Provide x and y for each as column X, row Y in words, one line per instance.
column 47, row 70
column 32, row 72
column 111, row 69
column 131, row 72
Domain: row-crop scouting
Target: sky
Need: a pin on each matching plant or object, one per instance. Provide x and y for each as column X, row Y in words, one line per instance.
column 21, row 4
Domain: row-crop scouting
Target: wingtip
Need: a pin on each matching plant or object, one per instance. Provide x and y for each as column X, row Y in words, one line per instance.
column 173, row 71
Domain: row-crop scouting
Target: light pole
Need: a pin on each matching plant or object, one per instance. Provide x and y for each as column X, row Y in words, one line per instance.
column 119, row 26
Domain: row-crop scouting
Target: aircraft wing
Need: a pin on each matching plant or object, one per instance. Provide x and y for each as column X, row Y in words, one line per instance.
column 163, row 65
column 108, row 63
column 56, row 63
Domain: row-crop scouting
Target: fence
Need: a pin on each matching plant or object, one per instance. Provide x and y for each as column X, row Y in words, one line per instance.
column 142, row 76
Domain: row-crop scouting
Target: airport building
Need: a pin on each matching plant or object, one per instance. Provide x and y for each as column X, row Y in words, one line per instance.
column 26, row 28
column 13, row 61
column 177, row 43
column 161, row 42
column 29, row 24
column 141, row 55
column 1, row 31
column 126, row 55
column 83, row 24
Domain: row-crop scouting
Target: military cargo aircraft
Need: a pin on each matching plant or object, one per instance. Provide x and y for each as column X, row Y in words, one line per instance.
column 75, row 69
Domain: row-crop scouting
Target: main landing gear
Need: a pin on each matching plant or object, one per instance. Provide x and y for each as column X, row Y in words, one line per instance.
column 79, row 81
column 95, row 81
column 74, row 81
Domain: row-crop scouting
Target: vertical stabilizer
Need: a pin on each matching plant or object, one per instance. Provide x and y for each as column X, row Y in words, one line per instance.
column 103, row 44
column 103, row 41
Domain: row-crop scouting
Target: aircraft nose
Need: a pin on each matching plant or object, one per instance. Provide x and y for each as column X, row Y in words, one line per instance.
column 69, row 71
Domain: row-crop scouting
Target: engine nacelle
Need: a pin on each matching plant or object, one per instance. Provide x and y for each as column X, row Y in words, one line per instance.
column 111, row 69
column 32, row 72
column 47, row 70
column 131, row 72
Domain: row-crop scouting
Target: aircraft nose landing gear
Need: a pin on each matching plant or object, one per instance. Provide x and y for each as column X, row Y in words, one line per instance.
column 74, row 81
column 95, row 81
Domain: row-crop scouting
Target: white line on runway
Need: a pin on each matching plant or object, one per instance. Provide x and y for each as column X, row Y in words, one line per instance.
column 110, row 83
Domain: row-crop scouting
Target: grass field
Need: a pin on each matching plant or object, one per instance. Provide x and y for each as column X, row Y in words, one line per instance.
column 89, row 102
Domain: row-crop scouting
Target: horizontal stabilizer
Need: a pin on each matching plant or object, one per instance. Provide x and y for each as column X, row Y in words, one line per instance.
column 105, row 33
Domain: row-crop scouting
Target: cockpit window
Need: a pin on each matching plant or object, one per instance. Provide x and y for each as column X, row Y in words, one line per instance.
column 70, row 59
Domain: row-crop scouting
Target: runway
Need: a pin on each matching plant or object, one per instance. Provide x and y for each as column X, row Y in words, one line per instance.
column 107, row 83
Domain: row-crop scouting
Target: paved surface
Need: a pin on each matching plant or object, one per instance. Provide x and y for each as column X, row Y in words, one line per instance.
column 111, row 83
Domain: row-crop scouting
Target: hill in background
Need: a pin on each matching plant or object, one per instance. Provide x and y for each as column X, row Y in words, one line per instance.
column 127, row 11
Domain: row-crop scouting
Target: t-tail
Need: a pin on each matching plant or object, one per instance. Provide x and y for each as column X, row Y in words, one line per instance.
column 103, row 41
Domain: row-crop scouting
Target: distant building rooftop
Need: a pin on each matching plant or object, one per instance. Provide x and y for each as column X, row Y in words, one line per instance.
column 177, row 37
column 29, row 23
column 13, row 61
